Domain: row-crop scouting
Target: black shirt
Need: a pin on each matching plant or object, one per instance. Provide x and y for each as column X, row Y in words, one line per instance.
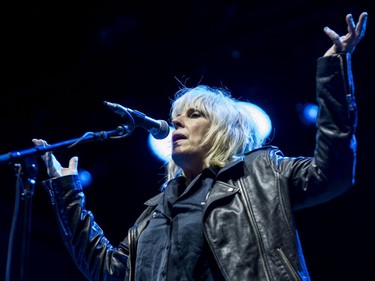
column 173, row 247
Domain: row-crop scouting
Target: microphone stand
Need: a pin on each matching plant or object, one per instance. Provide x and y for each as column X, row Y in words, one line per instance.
column 27, row 179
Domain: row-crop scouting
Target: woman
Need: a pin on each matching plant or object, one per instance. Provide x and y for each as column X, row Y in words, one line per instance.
column 226, row 210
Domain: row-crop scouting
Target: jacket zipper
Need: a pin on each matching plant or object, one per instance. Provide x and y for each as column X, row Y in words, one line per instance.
column 252, row 221
column 61, row 223
column 132, row 253
column 288, row 264
column 346, row 73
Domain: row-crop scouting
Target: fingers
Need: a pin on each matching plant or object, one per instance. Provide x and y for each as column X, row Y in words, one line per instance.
column 73, row 164
column 360, row 28
column 348, row 42
column 350, row 23
column 357, row 31
column 332, row 35
column 53, row 166
column 41, row 142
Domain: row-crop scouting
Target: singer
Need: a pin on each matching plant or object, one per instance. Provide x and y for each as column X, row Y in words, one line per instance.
column 225, row 211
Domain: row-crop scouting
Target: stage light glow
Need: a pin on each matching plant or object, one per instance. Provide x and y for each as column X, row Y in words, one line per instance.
column 262, row 120
column 308, row 113
column 161, row 147
column 85, row 177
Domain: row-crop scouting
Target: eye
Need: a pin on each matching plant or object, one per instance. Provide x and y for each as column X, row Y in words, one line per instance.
column 195, row 114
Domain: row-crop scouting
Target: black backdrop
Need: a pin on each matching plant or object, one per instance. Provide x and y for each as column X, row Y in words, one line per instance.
column 61, row 60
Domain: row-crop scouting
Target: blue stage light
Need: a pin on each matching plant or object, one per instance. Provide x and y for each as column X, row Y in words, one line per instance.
column 161, row 147
column 85, row 178
column 308, row 113
column 261, row 118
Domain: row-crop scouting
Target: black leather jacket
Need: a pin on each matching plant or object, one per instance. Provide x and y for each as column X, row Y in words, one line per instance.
column 248, row 218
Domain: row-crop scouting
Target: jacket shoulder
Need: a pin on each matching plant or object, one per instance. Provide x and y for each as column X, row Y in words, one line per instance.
column 268, row 155
column 264, row 150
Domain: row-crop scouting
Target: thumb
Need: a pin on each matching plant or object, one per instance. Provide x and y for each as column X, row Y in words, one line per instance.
column 73, row 164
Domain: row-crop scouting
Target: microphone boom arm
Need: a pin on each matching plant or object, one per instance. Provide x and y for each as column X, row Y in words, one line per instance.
column 121, row 131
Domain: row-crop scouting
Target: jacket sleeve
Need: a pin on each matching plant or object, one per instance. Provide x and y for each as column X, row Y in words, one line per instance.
column 91, row 251
column 331, row 170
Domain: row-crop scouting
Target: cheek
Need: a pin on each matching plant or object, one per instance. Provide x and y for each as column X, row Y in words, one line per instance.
column 199, row 140
column 199, row 136
column 199, row 132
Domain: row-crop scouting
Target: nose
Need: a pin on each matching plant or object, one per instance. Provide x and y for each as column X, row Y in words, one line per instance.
column 177, row 122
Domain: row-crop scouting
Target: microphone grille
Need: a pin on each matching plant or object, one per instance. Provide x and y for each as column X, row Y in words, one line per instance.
column 163, row 132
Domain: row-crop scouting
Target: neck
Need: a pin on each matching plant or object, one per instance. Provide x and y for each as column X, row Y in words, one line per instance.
column 191, row 173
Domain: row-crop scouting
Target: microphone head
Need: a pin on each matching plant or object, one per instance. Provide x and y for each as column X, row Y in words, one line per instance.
column 162, row 132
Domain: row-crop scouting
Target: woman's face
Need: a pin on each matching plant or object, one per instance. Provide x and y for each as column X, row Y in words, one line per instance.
column 188, row 150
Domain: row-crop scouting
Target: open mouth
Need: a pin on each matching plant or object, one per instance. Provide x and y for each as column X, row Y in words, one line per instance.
column 177, row 136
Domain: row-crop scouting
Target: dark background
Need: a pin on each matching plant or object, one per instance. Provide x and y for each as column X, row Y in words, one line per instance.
column 60, row 60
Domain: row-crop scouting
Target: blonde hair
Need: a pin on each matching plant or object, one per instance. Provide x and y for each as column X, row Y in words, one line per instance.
column 232, row 133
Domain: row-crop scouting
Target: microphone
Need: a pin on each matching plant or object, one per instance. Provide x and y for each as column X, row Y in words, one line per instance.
column 159, row 129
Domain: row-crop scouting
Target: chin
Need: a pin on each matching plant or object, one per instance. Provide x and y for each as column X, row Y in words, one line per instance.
column 179, row 156
column 176, row 156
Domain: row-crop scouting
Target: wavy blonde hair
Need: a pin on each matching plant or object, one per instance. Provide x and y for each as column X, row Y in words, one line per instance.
column 232, row 133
